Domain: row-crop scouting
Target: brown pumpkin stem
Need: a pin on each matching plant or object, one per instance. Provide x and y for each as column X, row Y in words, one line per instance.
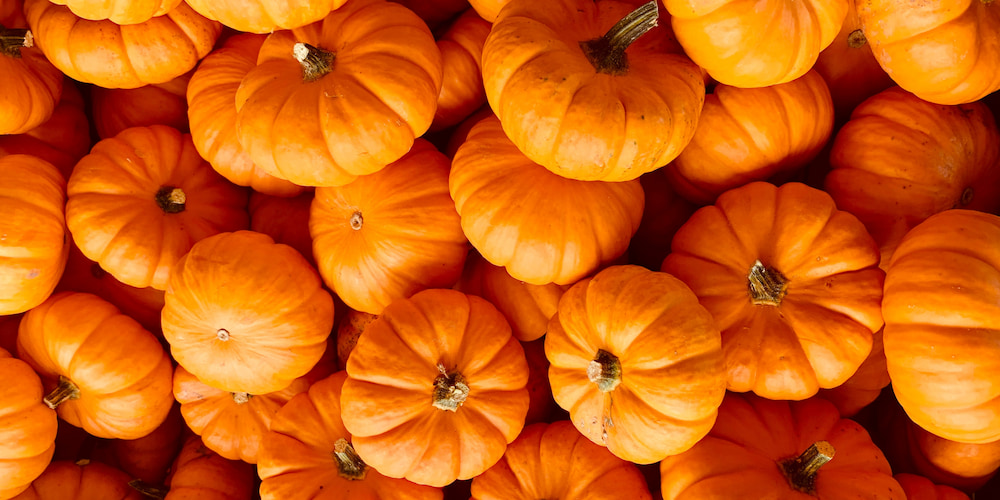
column 450, row 390
column 856, row 39
column 967, row 197
column 801, row 470
column 605, row 371
column 357, row 221
column 241, row 398
column 316, row 62
column 12, row 40
column 767, row 286
column 171, row 199
column 607, row 53
column 65, row 391
column 222, row 334
column 349, row 463
column 146, row 489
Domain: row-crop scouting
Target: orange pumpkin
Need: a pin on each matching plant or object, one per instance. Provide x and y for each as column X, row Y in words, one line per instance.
column 756, row 45
column 791, row 281
column 83, row 480
column 284, row 219
column 62, row 140
column 350, row 329
column 32, row 85
column 864, row 386
column 34, row 243
column 542, row 227
column 462, row 90
column 341, row 97
column 148, row 458
column 541, row 406
column 488, row 9
column 435, row 388
column 201, row 474
column 114, row 110
column 265, row 16
column 246, row 315
column 921, row 488
column 103, row 372
column 27, row 427
column 139, row 201
column 585, row 89
column 119, row 11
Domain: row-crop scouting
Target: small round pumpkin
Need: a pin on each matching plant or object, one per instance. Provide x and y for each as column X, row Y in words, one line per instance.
column 62, row 140
column 27, row 426
column 462, row 91
column 32, row 85
column 864, row 386
column 920, row 488
column 119, row 11
column 201, row 474
column 82, row 480
column 148, row 458
column 114, row 110
column 265, row 16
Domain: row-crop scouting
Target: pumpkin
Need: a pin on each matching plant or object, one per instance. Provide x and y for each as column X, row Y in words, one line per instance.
column 921, row 488
column 114, row 110
column 147, row 459
column 201, row 474
column 62, row 140
column 636, row 362
column 459, row 133
column 35, row 245
column 284, row 219
column 341, row 97
column 119, row 11
column 265, row 16
column 753, row 134
column 555, row 461
column 211, row 112
column 83, row 480
column 584, row 88
column 791, row 281
column 295, row 460
column 864, row 386
column 542, row 227
column 664, row 213
column 113, row 56
column 350, row 329
column 102, row 371
column 435, row 388
column 940, row 306
column 139, row 201
column 390, row 234
column 901, row 159
column 246, row 315
column 462, row 90
column 27, row 427
column 32, row 85
column 488, row 9
column 780, row 449
column 541, row 406
column 767, row 43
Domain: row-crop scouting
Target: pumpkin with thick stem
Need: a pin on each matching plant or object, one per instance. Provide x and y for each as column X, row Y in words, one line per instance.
column 114, row 110
column 27, row 426
column 792, row 282
column 32, row 85
column 584, row 89
column 119, row 11
column 265, row 16
column 82, row 480
column 62, row 140
column 435, row 388
column 462, row 90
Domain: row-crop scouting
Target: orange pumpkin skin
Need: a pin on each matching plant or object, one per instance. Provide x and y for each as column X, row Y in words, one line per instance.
column 126, row 57
column 864, row 386
column 35, row 242
column 753, row 435
column 792, row 283
column 444, row 408
column 244, row 314
column 939, row 307
column 619, row 335
column 84, row 480
column 115, row 110
column 747, row 135
column 921, row 488
column 148, row 458
column 349, row 331
column 901, row 159
column 201, row 474
column 211, row 112
column 583, row 119
column 110, row 214
column 488, row 9
column 284, row 219
column 489, row 182
column 329, row 124
column 32, row 85
column 555, row 461
column 62, row 140
column 295, row 459
column 27, row 427
column 119, row 371
column 462, row 90
column 748, row 45
column 119, row 11
column 265, row 16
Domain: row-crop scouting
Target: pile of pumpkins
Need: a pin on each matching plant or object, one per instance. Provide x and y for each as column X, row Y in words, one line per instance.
column 499, row 249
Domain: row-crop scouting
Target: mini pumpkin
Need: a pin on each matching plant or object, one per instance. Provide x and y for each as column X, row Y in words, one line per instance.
column 27, row 426
column 462, row 90
column 201, row 474
column 921, row 488
column 32, row 85
column 265, row 16
column 114, row 110
column 864, row 386
column 119, row 11
column 61, row 140
column 82, row 480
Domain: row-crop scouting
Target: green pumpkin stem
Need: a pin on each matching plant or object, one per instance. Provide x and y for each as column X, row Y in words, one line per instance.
column 65, row 391
column 12, row 40
column 171, row 199
column 450, row 390
column 146, row 489
column 349, row 463
column 316, row 62
column 605, row 370
column 607, row 53
column 766, row 285
column 801, row 470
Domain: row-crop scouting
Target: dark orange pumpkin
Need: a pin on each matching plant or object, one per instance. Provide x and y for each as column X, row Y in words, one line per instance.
column 62, row 140
column 921, row 488
column 286, row 219
column 462, row 90
column 114, row 110
column 83, row 480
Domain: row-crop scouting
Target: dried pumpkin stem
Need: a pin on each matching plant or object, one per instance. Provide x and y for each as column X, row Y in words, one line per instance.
column 12, row 40
column 357, row 221
column 766, row 285
column 148, row 490
column 241, row 398
column 316, row 62
column 801, row 470
column 171, row 199
column 856, row 39
column 349, row 463
column 65, row 391
column 450, row 390
column 607, row 53
column 605, row 371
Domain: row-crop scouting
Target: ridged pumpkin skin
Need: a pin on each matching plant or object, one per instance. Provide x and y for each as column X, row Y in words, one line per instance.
column 120, row 372
column 119, row 11
column 114, row 110
column 792, row 283
column 586, row 117
column 148, row 458
column 61, row 140
column 35, row 242
column 754, row 435
column 32, row 85
column 541, row 227
column 556, row 461
column 265, row 16
column 211, row 113
column 945, row 52
column 921, row 488
column 617, row 342
column 113, row 56
column 201, row 474
column 940, row 308
column 27, row 427
column 435, row 388
column 488, row 9
column 85, row 480
column 139, row 201
column 331, row 123
column 865, row 385
column 244, row 314
column 756, row 44
column 462, row 90
column 295, row 460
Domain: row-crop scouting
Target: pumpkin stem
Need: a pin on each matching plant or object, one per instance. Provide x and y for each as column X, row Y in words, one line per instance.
column 241, row 398
column 65, row 391
column 171, row 199
column 767, row 286
column 146, row 489
column 349, row 463
column 222, row 334
column 13, row 40
column 450, row 390
column 801, row 470
column 607, row 53
column 967, row 197
column 316, row 62
column 605, row 371
column 856, row 39
column 357, row 220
